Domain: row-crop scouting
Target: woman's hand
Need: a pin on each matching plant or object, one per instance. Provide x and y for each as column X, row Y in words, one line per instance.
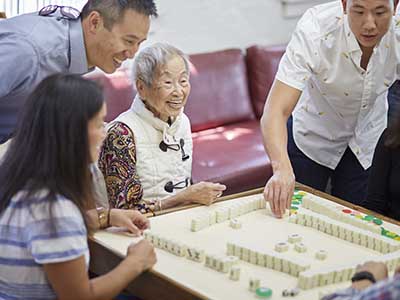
column 203, row 192
column 77, row 285
column 142, row 255
column 133, row 220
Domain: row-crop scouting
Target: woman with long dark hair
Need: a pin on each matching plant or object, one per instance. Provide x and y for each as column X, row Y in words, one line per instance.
column 384, row 182
column 46, row 199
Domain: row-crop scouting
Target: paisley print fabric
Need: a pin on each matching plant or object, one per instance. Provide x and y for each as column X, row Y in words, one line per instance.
column 118, row 163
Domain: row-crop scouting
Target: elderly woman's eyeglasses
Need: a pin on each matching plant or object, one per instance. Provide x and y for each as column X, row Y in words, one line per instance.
column 164, row 148
column 66, row 11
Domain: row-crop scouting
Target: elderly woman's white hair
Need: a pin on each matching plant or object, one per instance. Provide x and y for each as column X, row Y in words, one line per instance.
column 151, row 58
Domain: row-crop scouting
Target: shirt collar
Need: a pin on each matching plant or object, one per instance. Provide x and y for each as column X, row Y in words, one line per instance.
column 77, row 53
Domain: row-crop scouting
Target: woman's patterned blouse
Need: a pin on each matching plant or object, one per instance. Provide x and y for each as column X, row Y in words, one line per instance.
column 118, row 163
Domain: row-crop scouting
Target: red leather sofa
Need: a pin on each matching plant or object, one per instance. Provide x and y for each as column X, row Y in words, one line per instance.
column 228, row 93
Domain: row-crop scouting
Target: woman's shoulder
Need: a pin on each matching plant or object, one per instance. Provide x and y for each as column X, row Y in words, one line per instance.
column 39, row 213
column 44, row 205
column 119, row 130
column 119, row 136
column 186, row 120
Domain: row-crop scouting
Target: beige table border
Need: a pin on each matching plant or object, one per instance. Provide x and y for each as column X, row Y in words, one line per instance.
column 154, row 285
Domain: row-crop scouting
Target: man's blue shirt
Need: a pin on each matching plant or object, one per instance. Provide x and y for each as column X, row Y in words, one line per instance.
column 33, row 47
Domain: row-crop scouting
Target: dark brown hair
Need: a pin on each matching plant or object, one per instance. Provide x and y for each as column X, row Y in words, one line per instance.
column 50, row 150
column 113, row 11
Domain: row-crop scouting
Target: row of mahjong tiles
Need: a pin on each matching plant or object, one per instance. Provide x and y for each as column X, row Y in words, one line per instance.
column 224, row 260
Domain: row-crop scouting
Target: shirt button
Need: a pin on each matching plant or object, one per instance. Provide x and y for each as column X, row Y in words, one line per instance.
column 364, row 106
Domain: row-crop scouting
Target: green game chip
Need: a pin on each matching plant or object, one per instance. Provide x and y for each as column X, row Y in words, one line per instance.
column 264, row 292
column 378, row 221
column 295, row 202
column 368, row 218
column 294, row 207
column 391, row 235
column 299, row 197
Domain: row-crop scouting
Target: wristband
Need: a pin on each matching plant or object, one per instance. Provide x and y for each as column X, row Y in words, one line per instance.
column 102, row 216
column 363, row 275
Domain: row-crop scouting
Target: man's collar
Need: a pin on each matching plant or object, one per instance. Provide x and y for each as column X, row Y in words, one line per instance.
column 77, row 53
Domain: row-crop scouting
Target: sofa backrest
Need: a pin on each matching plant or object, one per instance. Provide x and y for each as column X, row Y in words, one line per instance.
column 227, row 86
column 219, row 94
column 262, row 65
column 118, row 91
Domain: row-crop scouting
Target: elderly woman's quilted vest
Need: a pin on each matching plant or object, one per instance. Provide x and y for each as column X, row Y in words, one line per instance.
column 163, row 152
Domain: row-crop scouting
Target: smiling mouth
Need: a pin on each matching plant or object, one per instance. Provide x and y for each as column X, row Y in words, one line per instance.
column 175, row 104
column 369, row 37
column 117, row 62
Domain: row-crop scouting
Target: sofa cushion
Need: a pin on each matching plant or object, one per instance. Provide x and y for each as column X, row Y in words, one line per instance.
column 118, row 91
column 233, row 155
column 219, row 94
column 262, row 65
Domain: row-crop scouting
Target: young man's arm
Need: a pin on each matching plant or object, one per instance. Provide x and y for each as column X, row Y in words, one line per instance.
column 279, row 105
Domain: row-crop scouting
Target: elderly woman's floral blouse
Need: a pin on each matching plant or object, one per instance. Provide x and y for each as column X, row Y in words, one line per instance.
column 118, row 163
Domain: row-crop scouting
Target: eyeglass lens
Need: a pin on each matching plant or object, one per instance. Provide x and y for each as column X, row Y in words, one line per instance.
column 66, row 11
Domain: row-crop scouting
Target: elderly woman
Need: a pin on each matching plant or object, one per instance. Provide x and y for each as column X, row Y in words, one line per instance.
column 146, row 157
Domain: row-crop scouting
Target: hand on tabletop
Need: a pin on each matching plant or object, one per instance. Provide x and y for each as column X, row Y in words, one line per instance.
column 279, row 190
column 204, row 192
column 378, row 269
column 142, row 254
column 133, row 220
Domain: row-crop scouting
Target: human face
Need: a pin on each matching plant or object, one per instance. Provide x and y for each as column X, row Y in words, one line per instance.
column 369, row 20
column 97, row 133
column 111, row 47
column 169, row 91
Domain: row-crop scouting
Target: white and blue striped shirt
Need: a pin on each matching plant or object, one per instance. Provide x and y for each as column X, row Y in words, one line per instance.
column 36, row 231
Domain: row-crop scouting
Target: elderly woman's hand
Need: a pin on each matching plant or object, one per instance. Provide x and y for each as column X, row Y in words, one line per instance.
column 204, row 192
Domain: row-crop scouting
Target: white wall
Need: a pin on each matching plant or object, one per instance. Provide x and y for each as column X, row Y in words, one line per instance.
column 206, row 25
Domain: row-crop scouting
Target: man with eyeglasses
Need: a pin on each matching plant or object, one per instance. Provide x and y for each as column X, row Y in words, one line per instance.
column 62, row 39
